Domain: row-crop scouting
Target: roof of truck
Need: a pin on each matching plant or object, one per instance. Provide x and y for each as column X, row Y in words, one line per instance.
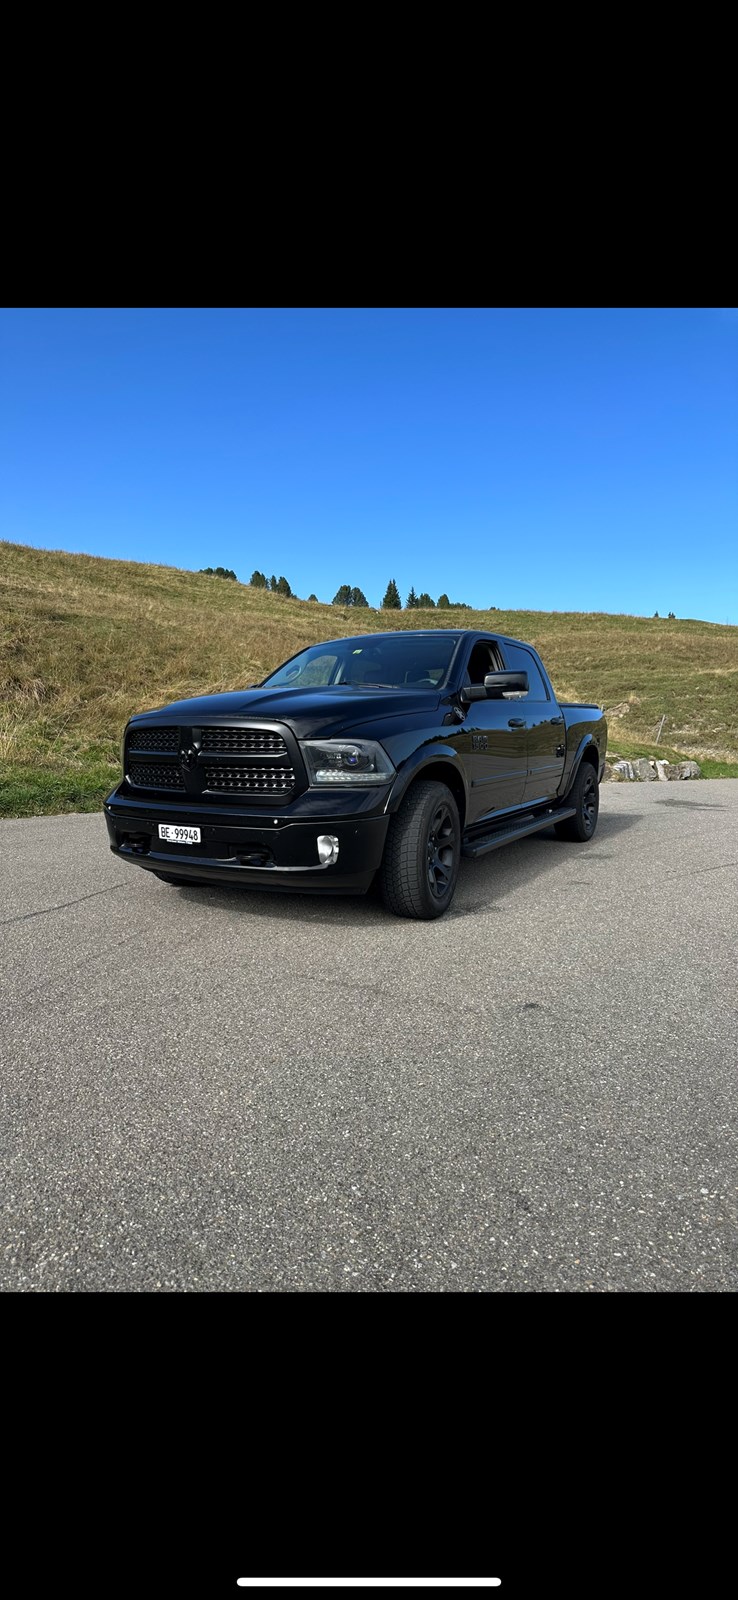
column 423, row 633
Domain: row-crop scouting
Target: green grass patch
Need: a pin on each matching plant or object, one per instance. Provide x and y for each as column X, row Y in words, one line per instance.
column 37, row 791
column 718, row 769
column 632, row 750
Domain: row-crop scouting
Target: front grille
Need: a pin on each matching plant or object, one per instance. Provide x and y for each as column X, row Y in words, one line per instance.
column 252, row 780
column 149, row 775
column 213, row 764
column 244, row 741
column 153, row 739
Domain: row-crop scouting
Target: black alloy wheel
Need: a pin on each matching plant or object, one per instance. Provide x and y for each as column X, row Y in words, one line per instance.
column 585, row 795
column 421, row 858
column 590, row 802
column 440, row 850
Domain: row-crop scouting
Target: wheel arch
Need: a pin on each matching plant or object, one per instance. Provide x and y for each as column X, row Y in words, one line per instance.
column 440, row 768
column 592, row 755
column 588, row 751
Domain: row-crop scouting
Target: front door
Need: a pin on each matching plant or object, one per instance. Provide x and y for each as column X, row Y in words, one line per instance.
column 498, row 738
column 546, row 731
column 493, row 743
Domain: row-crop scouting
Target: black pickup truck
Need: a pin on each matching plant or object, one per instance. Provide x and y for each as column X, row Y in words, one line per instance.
column 385, row 756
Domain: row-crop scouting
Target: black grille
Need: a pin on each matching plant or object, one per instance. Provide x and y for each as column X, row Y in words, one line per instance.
column 262, row 780
column 148, row 775
column 244, row 741
column 153, row 739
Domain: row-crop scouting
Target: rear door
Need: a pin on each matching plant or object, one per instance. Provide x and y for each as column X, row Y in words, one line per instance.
column 545, row 724
column 493, row 742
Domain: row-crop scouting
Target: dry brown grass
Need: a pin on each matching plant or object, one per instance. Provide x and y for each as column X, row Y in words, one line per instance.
column 85, row 641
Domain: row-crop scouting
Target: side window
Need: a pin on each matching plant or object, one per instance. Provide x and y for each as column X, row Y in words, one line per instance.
column 517, row 659
column 484, row 658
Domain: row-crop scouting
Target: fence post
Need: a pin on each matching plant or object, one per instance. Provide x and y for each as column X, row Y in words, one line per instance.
column 661, row 724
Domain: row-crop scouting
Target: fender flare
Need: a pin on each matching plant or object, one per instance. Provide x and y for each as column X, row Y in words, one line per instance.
column 426, row 756
column 584, row 744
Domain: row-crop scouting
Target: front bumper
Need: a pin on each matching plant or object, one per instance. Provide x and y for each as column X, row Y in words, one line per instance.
column 250, row 848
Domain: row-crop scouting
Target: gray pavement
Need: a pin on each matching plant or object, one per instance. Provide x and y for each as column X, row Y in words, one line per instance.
column 202, row 1089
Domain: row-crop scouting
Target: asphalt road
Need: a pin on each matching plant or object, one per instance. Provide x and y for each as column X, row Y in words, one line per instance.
column 204, row 1089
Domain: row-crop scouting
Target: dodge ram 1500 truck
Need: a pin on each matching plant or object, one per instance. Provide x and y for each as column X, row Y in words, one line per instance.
column 385, row 756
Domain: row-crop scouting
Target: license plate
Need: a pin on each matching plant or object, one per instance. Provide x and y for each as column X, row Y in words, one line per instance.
column 173, row 834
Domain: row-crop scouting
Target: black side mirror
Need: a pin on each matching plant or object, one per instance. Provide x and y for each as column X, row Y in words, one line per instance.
column 498, row 683
column 495, row 685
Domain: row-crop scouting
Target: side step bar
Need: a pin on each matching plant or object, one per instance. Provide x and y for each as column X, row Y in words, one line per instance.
column 516, row 830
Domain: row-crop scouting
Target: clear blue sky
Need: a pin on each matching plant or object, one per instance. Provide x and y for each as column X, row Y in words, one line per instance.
column 551, row 459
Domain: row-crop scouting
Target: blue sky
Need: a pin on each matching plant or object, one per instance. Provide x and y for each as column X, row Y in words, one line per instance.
column 546, row 459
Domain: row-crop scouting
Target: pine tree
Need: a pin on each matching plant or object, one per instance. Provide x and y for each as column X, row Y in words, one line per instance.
column 273, row 584
column 342, row 597
column 412, row 600
column 425, row 603
column 358, row 598
column 312, row 597
column 443, row 602
column 392, row 601
column 283, row 587
column 258, row 580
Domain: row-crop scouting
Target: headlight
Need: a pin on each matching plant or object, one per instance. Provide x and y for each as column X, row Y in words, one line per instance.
column 332, row 762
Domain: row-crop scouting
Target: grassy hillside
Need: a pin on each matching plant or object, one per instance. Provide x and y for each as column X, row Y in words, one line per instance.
column 84, row 642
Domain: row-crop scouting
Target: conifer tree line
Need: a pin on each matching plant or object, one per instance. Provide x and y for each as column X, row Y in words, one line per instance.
column 347, row 594
column 418, row 602
column 259, row 580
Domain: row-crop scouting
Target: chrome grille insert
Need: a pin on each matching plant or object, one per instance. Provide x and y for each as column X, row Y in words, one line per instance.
column 251, row 779
column 243, row 741
column 156, row 775
column 153, row 739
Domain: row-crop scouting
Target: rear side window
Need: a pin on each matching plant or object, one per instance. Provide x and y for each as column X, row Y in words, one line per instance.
column 518, row 659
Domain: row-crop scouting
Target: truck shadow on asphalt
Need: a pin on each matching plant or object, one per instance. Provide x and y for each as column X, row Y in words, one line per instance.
column 689, row 805
column 482, row 883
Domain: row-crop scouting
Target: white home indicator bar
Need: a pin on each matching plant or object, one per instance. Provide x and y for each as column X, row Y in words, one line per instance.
column 369, row 1583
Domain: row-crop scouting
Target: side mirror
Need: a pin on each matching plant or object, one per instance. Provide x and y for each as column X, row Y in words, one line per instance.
column 498, row 683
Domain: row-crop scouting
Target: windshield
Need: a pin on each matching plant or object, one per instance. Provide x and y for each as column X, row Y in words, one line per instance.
column 381, row 663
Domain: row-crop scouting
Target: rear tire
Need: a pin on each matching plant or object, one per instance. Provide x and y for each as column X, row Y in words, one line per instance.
column 585, row 795
column 421, row 858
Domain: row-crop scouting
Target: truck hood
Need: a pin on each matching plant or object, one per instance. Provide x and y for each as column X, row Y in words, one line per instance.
column 311, row 713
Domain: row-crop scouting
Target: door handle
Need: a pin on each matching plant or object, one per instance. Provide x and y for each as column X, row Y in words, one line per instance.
column 516, row 722
column 554, row 720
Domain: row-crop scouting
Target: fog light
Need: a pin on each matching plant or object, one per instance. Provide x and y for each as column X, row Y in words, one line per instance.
column 327, row 849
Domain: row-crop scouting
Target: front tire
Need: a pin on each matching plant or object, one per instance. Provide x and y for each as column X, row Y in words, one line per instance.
column 421, row 858
column 585, row 795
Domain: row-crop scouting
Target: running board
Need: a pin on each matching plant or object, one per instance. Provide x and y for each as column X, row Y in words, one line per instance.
column 516, row 830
